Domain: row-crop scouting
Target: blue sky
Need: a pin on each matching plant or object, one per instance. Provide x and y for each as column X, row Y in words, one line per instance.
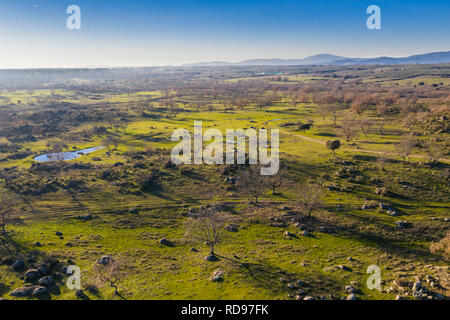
column 33, row 33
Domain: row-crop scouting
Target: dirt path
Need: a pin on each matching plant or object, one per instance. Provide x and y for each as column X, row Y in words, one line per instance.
column 416, row 156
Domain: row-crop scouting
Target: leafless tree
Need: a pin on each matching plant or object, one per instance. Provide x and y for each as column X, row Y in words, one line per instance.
column 108, row 143
column 434, row 152
column 310, row 197
column 382, row 160
column 334, row 114
column 405, row 147
column 348, row 128
column 108, row 272
column 207, row 226
column 252, row 183
column 277, row 180
column 324, row 110
column 365, row 125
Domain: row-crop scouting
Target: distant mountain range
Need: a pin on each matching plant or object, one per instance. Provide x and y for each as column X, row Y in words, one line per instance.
column 329, row 59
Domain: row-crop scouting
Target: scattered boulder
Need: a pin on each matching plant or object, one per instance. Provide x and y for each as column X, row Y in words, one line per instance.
column 392, row 213
column 309, row 298
column 349, row 289
column 300, row 226
column 166, row 242
column 7, row 261
column 32, row 274
column 351, row 297
column 59, row 233
column 43, row 270
column 194, row 249
column 46, row 281
column 305, row 234
column 384, row 206
column 300, row 283
column 22, row 292
column 39, row 290
column 217, row 276
column 81, row 295
column 86, row 217
column 133, row 211
column 18, row 264
column 291, row 286
column 342, row 267
column 231, row 228
column 417, row 286
column 288, row 234
column 105, row 260
column 402, row 224
column 37, row 244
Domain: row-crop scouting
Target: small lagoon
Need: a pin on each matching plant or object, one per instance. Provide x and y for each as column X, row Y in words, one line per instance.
column 49, row 157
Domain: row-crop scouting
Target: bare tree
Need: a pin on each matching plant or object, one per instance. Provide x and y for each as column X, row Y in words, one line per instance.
column 310, row 198
column 252, row 183
column 405, row 147
column 324, row 110
column 334, row 114
column 382, row 160
column 277, row 180
column 365, row 125
column 56, row 152
column 348, row 128
column 207, row 226
column 434, row 152
column 108, row 271
column 108, row 143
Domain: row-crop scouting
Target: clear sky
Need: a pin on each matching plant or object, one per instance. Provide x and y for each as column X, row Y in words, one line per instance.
column 33, row 33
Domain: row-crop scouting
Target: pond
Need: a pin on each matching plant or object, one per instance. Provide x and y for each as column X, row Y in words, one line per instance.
column 49, row 157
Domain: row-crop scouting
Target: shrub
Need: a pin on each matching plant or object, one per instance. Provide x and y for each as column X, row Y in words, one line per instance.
column 442, row 247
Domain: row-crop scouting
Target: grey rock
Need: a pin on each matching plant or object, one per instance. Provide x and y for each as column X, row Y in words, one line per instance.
column 291, row 286
column 46, row 281
column 289, row 234
column 349, row 289
column 165, row 242
column 402, row 224
column 217, row 276
column 417, row 286
column 32, row 274
column 19, row 264
column 351, row 297
column 43, row 270
column 22, row 292
column 105, row 260
column 39, row 290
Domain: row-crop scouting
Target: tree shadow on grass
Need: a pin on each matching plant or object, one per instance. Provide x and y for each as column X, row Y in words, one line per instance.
column 390, row 239
column 4, row 289
column 269, row 277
